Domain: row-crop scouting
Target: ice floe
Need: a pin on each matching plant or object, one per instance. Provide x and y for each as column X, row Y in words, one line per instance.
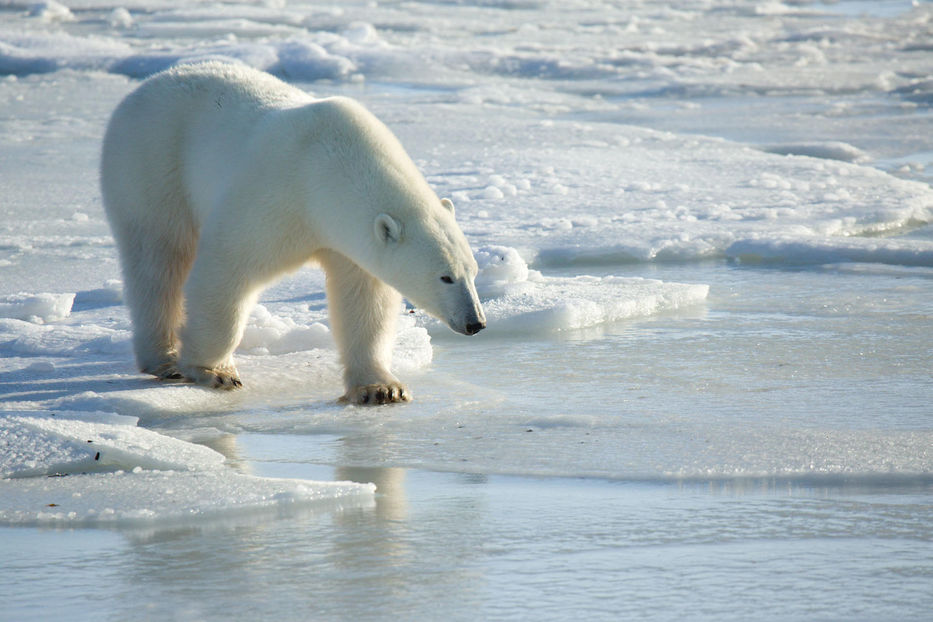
column 100, row 468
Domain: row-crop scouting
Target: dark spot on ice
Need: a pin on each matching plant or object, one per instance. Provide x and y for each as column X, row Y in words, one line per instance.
column 97, row 456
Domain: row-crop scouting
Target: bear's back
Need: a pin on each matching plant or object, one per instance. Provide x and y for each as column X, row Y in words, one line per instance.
column 199, row 99
column 190, row 127
column 218, row 83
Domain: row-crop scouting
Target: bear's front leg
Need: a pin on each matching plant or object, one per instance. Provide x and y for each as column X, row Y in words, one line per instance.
column 362, row 312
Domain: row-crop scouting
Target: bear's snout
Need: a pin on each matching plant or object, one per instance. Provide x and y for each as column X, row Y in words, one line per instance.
column 464, row 312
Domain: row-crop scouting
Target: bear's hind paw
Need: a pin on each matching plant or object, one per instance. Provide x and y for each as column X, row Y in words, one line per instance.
column 166, row 369
column 376, row 394
column 170, row 374
column 215, row 378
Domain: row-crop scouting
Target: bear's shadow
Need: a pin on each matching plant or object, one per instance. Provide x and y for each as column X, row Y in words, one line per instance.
column 38, row 384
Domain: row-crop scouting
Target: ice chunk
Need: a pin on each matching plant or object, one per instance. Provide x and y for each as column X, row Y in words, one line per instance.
column 566, row 303
column 268, row 334
column 36, row 308
column 830, row 150
column 361, row 33
column 45, row 443
column 520, row 300
column 492, row 193
column 51, row 11
column 120, row 18
column 306, row 60
column 412, row 345
column 498, row 267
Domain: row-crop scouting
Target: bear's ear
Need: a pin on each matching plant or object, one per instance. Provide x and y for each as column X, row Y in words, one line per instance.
column 387, row 229
column 449, row 205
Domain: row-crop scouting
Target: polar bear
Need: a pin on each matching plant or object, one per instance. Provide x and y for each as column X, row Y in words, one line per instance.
column 218, row 178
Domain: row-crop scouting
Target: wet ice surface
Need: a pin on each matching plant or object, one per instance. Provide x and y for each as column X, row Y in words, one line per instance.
column 468, row 547
column 705, row 390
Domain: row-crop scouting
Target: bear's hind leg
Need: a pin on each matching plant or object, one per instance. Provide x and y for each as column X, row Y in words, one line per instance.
column 362, row 311
column 218, row 302
column 155, row 269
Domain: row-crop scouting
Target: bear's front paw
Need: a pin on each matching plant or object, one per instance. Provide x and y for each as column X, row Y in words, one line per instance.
column 215, row 377
column 375, row 394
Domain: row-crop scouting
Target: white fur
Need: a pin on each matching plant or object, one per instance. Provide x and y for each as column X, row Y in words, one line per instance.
column 218, row 178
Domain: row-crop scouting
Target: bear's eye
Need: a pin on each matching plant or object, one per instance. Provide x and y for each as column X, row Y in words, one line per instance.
column 447, row 279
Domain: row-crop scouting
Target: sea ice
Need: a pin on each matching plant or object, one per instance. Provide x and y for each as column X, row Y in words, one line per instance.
column 824, row 250
column 101, row 468
column 43, row 443
column 147, row 497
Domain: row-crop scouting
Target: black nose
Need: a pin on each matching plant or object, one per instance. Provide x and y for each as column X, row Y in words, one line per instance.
column 472, row 329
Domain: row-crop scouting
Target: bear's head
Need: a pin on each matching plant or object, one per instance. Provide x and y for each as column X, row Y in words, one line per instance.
column 428, row 260
column 376, row 208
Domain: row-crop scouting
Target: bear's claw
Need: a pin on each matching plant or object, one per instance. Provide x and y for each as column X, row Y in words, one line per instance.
column 376, row 394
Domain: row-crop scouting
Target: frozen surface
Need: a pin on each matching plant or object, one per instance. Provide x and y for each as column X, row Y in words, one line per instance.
column 46, row 444
column 706, row 255
column 816, row 251
column 102, row 469
column 144, row 497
